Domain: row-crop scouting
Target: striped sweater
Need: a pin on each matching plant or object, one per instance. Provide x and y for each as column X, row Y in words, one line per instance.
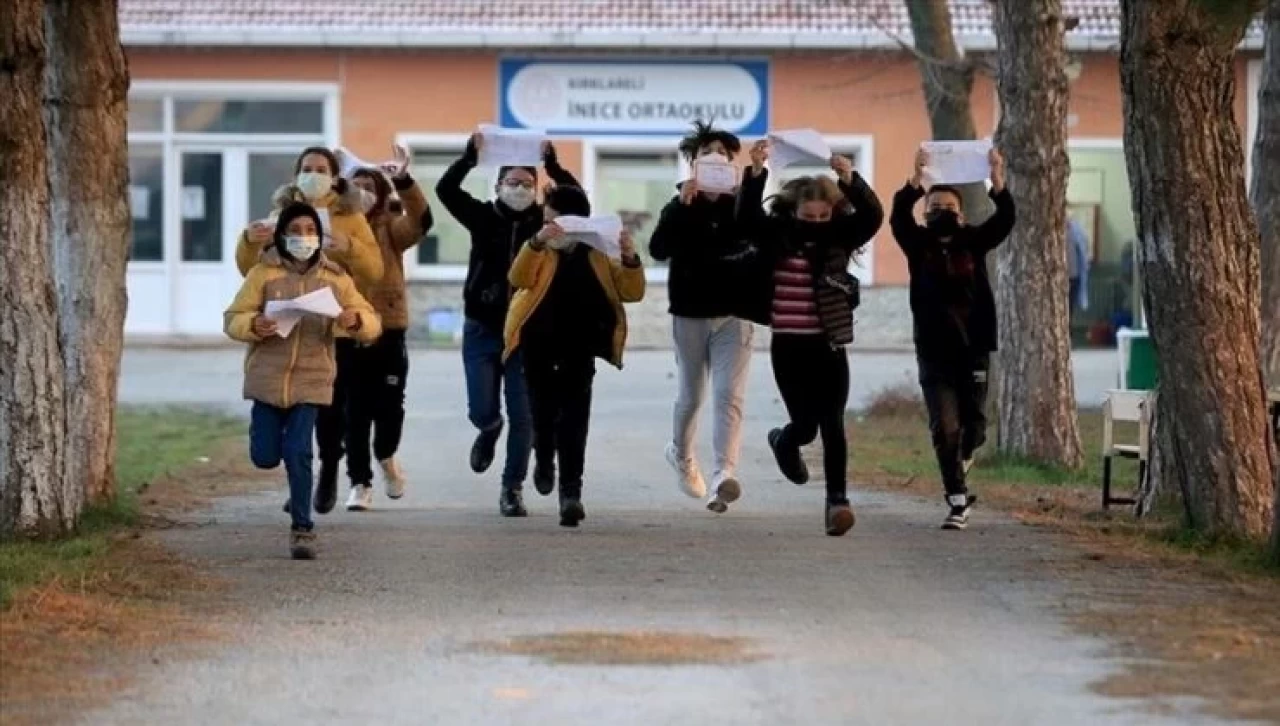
column 795, row 309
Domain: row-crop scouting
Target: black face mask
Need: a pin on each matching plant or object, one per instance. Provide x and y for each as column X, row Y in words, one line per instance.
column 943, row 221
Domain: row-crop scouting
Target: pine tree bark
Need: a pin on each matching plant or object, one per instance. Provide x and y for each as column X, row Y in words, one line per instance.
column 34, row 496
column 86, row 112
column 1199, row 254
column 1264, row 194
column 1037, row 411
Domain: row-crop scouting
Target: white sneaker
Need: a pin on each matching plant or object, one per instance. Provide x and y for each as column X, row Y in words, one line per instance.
column 360, row 499
column 690, row 478
column 392, row 477
column 728, row 490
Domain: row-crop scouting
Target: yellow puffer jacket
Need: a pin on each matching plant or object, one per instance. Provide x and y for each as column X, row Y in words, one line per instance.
column 531, row 275
column 363, row 260
column 396, row 234
column 284, row 372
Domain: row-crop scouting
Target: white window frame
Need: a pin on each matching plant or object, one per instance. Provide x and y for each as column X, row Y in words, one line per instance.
column 1252, row 86
column 433, row 143
column 842, row 143
column 593, row 147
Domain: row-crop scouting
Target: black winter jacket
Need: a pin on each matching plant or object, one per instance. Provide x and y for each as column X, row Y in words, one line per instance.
column 705, row 248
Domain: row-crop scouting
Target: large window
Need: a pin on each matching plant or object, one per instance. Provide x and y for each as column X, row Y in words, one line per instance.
column 222, row 116
column 635, row 186
column 146, row 202
column 448, row 242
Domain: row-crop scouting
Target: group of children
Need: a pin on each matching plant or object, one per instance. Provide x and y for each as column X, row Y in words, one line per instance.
column 542, row 306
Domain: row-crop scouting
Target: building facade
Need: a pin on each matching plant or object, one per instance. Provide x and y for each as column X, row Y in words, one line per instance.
column 224, row 96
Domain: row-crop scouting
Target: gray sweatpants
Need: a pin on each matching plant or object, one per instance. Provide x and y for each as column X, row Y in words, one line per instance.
column 720, row 347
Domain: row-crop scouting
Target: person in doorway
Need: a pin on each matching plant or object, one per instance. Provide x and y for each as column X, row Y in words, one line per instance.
column 567, row 311
column 348, row 241
column 954, row 315
column 697, row 234
column 1077, row 267
column 498, row 229
column 813, row 228
column 379, row 372
column 289, row 373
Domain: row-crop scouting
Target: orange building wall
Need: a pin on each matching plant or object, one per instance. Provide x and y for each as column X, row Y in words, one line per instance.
column 384, row 93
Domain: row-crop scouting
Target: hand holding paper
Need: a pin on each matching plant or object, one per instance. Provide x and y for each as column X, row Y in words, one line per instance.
column 602, row 233
column 287, row 313
column 956, row 162
column 798, row 146
column 509, row 147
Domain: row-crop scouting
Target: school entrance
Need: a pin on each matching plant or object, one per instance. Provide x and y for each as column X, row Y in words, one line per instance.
column 203, row 162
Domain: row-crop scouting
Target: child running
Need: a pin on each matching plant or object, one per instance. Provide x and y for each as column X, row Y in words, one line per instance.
column 954, row 314
column 812, row 229
column 289, row 377
column 567, row 311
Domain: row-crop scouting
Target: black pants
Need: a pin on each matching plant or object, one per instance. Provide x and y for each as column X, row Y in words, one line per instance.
column 375, row 402
column 331, row 420
column 560, row 403
column 955, row 391
column 813, row 379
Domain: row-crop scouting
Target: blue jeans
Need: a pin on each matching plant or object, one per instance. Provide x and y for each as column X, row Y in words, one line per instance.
column 486, row 374
column 277, row 434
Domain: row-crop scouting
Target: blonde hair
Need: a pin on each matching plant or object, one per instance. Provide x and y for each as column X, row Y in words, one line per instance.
column 807, row 189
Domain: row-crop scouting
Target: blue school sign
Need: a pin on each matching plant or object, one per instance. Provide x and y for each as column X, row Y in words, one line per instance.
column 632, row 97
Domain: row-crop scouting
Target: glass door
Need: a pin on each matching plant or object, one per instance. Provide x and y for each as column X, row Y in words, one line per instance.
column 206, row 242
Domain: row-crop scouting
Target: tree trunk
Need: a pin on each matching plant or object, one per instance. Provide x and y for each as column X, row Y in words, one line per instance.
column 1265, row 197
column 34, row 496
column 85, row 108
column 1198, row 250
column 1037, row 412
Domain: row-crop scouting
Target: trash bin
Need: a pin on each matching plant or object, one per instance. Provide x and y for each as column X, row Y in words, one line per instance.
column 1141, row 375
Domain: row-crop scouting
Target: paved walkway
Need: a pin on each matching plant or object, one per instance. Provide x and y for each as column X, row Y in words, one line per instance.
column 898, row 623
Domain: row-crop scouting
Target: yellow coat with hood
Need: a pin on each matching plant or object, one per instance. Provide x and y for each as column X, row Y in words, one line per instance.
column 363, row 260
column 531, row 275
column 285, row 372
column 396, row 234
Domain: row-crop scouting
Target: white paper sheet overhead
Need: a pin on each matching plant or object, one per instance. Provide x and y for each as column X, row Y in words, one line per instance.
column 352, row 163
column 798, row 146
column 510, row 147
column 715, row 174
column 603, row 233
column 956, row 162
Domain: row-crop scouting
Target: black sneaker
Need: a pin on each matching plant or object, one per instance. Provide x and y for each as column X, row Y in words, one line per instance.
column 483, row 449
column 839, row 518
column 571, row 512
column 511, row 503
column 544, row 479
column 327, row 487
column 958, row 517
column 790, row 463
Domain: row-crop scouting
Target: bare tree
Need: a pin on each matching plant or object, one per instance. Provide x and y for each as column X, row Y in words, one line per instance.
column 34, row 495
column 1199, row 253
column 87, row 85
column 1037, row 411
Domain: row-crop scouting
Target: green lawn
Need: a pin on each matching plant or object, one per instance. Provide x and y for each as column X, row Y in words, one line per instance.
column 152, row 443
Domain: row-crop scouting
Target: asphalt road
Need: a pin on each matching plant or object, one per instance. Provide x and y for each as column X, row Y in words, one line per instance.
column 898, row 623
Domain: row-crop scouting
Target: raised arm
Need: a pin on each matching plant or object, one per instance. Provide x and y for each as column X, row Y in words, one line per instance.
column 407, row 229
column 558, row 174
column 858, row 228
column 908, row 233
column 989, row 234
column 465, row 208
column 749, row 215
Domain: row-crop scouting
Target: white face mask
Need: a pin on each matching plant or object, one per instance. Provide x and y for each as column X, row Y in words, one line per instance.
column 301, row 247
column 313, row 184
column 518, row 198
column 367, row 200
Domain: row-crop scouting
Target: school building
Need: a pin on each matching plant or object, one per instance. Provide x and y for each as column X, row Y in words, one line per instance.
column 225, row 93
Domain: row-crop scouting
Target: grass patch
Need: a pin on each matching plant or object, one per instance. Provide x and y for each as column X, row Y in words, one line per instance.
column 152, row 444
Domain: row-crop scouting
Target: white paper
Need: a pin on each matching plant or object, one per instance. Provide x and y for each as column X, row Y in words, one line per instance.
column 193, row 203
column 287, row 313
column 139, row 202
column 798, row 146
column 603, row 232
column 956, row 162
column 286, row 320
column 510, row 147
column 351, row 163
column 715, row 175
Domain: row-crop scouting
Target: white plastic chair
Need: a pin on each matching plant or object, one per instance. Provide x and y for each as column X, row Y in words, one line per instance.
column 1128, row 407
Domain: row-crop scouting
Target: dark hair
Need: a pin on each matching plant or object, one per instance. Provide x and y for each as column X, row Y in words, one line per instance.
column 946, row 189
column 287, row 215
column 568, row 199
column 381, row 187
column 334, row 167
column 533, row 171
column 702, row 135
column 807, row 189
